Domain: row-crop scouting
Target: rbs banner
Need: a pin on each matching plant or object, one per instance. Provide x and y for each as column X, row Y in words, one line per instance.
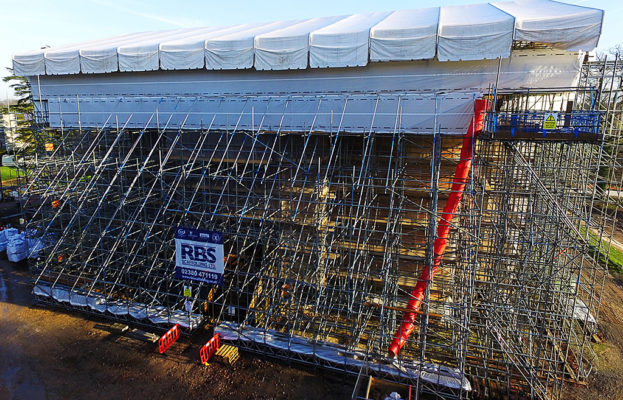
column 199, row 255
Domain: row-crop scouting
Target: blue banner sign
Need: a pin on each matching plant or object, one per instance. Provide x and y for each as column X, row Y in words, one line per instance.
column 199, row 255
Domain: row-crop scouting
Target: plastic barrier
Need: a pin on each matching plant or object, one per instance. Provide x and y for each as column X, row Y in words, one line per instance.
column 208, row 349
column 169, row 338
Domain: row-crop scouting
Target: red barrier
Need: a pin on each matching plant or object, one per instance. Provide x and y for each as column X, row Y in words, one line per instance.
column 210, row 348
column 169, row 338
column 443, row 229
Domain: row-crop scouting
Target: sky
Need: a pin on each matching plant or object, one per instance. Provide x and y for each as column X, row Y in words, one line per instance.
column 33, row 24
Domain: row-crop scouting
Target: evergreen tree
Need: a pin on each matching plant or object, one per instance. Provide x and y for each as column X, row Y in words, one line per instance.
column 25, row 109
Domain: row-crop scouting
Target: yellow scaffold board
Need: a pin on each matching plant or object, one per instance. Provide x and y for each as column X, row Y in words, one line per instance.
column 227, row 353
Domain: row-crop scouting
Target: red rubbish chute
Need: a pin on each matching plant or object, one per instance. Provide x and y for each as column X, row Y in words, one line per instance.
column 443, row 229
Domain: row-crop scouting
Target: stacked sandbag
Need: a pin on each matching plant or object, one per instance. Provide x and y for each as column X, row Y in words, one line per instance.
column 35, row 247
column 5, row 236
column 3, row 240
column 17, row 246
column 10, row 232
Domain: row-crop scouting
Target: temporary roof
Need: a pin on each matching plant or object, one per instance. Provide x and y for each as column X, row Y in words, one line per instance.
column 235, row 50
column 189, row 52
column 143, row 55
column 472, row 32
column 100, row 57
column 565, row 26
column 29, row 63
column 405, row 35
column 104, row 56
column 65, row 60
column 344, row 43
column 287, row 48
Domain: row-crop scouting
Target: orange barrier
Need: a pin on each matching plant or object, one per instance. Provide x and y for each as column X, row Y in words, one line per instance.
column 208, row 349
column 168, row 338
column 443, row 229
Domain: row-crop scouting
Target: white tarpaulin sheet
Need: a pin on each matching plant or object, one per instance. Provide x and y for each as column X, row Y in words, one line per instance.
column 156, row 314
column 339, row 356
column 474, row 32
column 235, row 50
column 102, row 57
column 580, row 311
column 143, row 55
column 471, row 32
column 228, row 96
column 405, row 35
column 29, row 63
column 564, row 26
column 413, row 114
column 66, row 60
column 288, row 48
column 344, row 43
column 189, row 52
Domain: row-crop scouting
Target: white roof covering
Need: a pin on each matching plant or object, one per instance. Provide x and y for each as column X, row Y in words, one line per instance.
column 30, row 63
column 474, row 32
column 143, row 55
column 66, row 59
column 344, row 43
column 189, row 52
column 288, row 48
column 405, row 35
column 102, row 57
column 564, row 26
column 235, row 50
column 471, row 32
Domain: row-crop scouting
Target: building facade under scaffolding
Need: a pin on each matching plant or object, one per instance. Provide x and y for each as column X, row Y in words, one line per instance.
column 419, row 195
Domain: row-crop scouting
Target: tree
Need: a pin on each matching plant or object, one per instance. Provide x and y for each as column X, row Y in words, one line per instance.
column 612, row 144
column 25, row 109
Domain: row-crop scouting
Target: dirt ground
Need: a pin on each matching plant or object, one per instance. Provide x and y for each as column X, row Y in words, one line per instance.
column 606, row 380
column 53, row 354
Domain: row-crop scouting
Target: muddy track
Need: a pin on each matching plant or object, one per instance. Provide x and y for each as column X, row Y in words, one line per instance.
column 54, row 354
column 605, row 381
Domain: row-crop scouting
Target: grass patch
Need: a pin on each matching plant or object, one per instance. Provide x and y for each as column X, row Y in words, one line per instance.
column 615, row 257
column 599, row 348
column 8, row 173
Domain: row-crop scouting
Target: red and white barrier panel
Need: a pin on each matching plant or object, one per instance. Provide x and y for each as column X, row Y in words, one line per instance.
column 208, row 349
column 168, row 338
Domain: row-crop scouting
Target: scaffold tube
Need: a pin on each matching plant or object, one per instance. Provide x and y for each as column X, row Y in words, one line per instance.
column 443, row 229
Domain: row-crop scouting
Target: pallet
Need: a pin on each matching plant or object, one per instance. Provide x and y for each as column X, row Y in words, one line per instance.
column 227, row 353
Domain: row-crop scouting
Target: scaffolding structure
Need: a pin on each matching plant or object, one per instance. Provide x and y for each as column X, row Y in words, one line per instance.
column 326, row 234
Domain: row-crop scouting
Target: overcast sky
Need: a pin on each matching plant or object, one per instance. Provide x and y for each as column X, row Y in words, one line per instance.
column 33, row 24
